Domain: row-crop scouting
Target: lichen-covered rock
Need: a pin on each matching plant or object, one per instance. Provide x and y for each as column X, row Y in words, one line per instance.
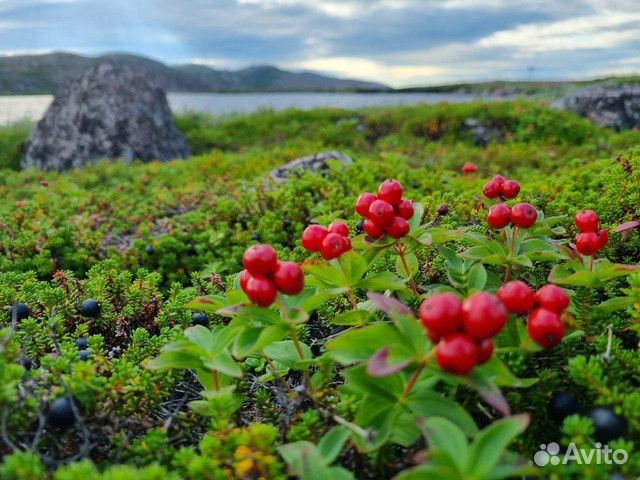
column 315, row 163
column 483, row 135
column 108, row 112
column 613, row 107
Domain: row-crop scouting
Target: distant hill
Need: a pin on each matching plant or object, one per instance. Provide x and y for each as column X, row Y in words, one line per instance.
column 32, row 74
column 540, row 89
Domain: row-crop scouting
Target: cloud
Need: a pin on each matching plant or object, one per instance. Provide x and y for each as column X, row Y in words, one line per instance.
column 401, row 42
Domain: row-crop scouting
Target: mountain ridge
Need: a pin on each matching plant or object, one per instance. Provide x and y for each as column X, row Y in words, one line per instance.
column 47, row 73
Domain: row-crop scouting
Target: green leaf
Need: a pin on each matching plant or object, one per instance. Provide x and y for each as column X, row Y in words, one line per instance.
column 353, row 266
column 477, row 278
column 380, row 281
column 357, row 345
column 524, row 261
column 225, row 364
column 286, row 353
column 489, row 445
column 614, row 304
column 351, row 317
column 254, row 339
column 429, row 403
column 412, row 265
column 332, row 442
column 175, row 360
column 324, row 275
column 388, row 388
column 442, row 434
column 418, row 211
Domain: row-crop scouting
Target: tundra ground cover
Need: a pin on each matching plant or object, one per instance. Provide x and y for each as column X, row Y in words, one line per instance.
column 172, row 373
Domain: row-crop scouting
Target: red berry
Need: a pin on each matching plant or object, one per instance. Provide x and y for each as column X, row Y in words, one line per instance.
column 603, row 238
column 372, row 229
column 523, row 215
column 261, row 291
column 390, row 191
column 457, row 354
column 244, row 278
column 433, row 337
column 491, row 189
column 552, row 297
column 483, row 315
column 545, row 327
column 333, row 246
column 339, row 227
column 516, row 296
column 586, row 221
column 587, row 243
column 441, row 314
column 260, row 259
column 499, row 216
column 347, row 244
column 381, row 213
column 510, row 189
column 469, row 168
column 485, row 350
column 399, row 228
column 289, row 278
column 312, row 237
column 363, row 203
column 405, row 209
column 499, row 179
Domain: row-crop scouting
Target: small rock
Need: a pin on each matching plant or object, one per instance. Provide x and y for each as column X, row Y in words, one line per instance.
column 315, row 163
column 483, row 135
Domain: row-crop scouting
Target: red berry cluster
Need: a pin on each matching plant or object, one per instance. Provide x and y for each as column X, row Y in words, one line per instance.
column 591, row 238
column 500, row 187
column 264, row 275
column 330, row 242
column 544, row 323
column 468, row 168
column 521, row 215
column 462, row 330
column 386, row 212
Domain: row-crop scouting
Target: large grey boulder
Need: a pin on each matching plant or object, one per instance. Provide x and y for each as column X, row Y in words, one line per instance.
column 613, row 107
column 317, row 162
column 108, row 112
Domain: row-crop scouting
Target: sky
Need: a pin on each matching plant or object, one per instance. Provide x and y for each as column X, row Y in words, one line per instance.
column 397, row 42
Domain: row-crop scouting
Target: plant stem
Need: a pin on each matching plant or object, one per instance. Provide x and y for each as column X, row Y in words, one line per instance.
column 305, row 371
column 296, row 342
column 352, row 298
column 275, row 373
column 414, row 376
column 216, row 379
column 400, row 249
column 512, row 248
column 591, row 263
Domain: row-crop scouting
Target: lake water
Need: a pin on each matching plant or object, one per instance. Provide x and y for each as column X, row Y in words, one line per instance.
column 32, row 107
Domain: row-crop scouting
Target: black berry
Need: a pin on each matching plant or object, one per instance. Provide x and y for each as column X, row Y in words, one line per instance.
column 149, row 250
column 200, row 318
column 255, row 237
column 82, row 343
column 60, row 414
column 84, row 355
column 562, row 405
column 20, row 310
column 607, row 424
column 90, row 308
column 360, row 226
column 443, row 209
